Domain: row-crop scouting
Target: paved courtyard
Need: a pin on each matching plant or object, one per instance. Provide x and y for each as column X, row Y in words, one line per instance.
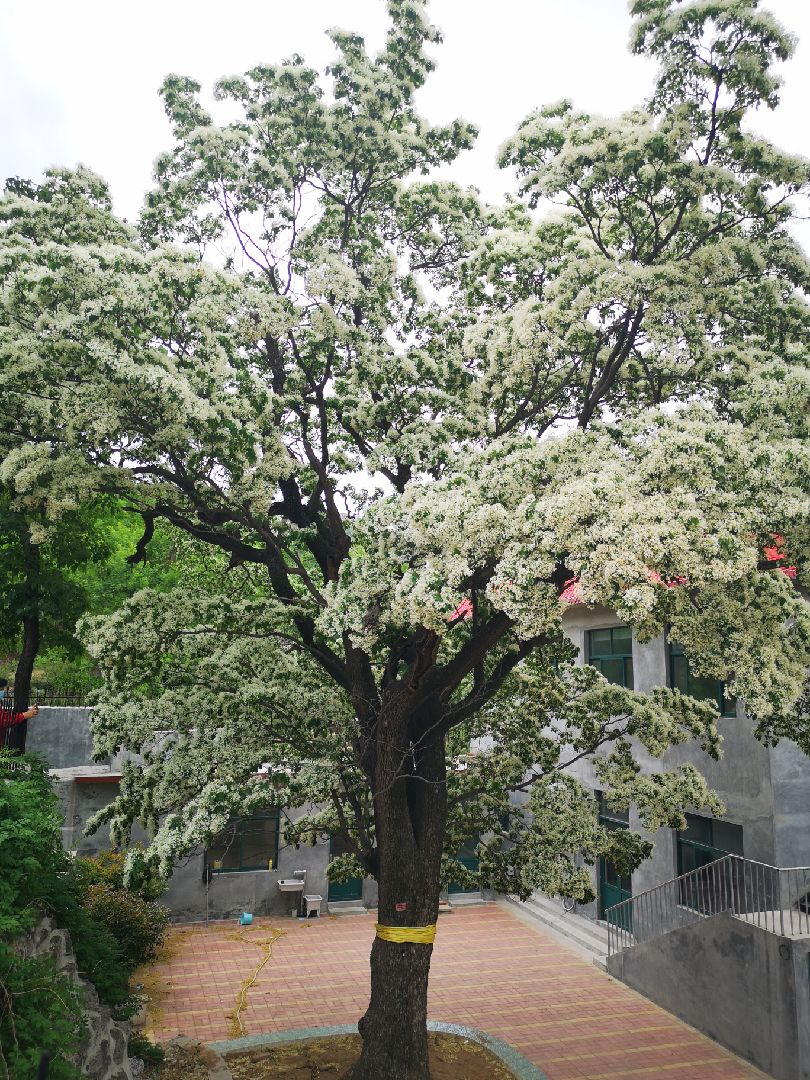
column 490, row 970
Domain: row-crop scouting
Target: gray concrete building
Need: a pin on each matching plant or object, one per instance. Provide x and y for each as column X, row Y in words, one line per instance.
column 766, row 791
column 715, row 925
column 712, row 924
column 239, row 872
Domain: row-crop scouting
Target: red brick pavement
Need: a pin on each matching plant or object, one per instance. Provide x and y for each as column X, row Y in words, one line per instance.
column 490, row 970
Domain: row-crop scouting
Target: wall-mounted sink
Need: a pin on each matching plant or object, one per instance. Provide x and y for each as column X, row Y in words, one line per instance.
column 290, row 885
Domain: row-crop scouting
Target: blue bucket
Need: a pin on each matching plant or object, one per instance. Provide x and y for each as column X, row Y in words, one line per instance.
column 245, row 919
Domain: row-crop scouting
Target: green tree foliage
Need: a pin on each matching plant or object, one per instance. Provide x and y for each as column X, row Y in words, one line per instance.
column 133, row 918
column 52, row 573
column 408, row 422
column 38, row 878
column 39, row 1010
column 40, row 598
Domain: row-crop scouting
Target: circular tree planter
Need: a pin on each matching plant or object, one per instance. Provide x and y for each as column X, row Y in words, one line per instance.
column 515, row 1064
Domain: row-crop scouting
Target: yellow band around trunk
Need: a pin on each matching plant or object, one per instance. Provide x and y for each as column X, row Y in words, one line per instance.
column 421, row 935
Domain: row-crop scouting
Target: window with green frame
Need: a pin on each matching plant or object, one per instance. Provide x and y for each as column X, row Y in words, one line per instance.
column 613, row 887
column 609, row 815
column 702, row 842
column 611, row 652
column 248, row 843
column 705, row 689
column 705, row 840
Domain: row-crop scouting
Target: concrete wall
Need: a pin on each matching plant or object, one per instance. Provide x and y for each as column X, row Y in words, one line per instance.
column 746, row 988
column 83, row 791
column 79, row 801
column 801, row 980
column 742, row 779
column 790, row 782
column 577, row 620
column 256, row 891
column 62, row 736
column 649, row 670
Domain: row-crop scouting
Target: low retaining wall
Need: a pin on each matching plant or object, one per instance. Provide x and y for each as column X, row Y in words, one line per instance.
column 744, row 987
column 61, row 734
column 102, row 1053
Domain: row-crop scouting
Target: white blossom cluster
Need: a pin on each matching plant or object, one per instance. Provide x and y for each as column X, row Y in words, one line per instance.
column 407, row 421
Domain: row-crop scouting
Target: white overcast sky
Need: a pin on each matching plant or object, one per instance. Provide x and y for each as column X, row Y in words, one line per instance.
column 79, row 78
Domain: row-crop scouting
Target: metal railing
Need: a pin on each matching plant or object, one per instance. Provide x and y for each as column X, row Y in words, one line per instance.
column 776, row 899
column 60, row 696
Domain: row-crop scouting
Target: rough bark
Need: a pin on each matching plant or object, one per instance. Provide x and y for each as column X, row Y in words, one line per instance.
column 30, row 647
column 410, row 802
column 22, row 681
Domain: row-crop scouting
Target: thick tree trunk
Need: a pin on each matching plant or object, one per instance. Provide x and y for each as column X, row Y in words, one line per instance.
column 410, row 813
column 28, row 653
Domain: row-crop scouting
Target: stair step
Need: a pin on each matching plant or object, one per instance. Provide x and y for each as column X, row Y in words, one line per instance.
column 346, row 907
column 554, row 909
column 591, row 938
column 464, row 899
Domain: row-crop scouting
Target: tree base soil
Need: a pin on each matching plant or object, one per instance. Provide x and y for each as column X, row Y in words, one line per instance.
column 452, row 1057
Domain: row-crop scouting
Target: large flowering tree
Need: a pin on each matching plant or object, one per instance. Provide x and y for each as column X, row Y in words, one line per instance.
column 406, row 425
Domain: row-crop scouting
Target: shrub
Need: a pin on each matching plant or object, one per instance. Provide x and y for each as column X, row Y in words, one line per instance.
column 106, row 868
column 32, row 860
column 39, row 1010
column 99, row 955
column 140, row 1047
column 113, row 931
column 37, row 877
column 138, row 925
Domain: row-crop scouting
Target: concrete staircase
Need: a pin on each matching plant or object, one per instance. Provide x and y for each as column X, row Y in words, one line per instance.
column 346, row 907
column 465, row 899
column 588, row 938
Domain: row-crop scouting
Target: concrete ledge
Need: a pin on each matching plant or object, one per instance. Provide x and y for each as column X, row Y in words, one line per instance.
column 212, row 1061
column 512, row 1058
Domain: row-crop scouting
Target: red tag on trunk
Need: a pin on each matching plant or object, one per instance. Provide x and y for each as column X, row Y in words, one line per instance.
column 401, row 907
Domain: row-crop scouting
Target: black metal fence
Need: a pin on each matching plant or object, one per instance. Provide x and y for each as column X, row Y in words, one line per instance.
column 62, row 696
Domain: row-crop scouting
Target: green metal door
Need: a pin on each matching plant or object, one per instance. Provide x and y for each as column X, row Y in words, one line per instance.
column 352, row 889
column 469, row 860
column 613, row 888
column 346, row 890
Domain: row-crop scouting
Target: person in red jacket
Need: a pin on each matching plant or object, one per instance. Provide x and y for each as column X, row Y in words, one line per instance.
column 9, row 718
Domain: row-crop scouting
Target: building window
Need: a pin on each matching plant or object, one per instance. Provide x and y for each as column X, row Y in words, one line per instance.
column 705, row 840
column 249, row 843
column 702, row 842
column 611, row 652
column 704, row 689
column 609, row 815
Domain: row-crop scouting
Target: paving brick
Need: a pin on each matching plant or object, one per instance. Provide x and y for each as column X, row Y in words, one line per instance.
column 489, row 970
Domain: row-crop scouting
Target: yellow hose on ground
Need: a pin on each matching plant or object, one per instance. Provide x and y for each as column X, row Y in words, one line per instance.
column 237, row 1027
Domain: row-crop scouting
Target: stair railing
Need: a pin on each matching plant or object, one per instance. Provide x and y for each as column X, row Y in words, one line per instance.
column 776, row 899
